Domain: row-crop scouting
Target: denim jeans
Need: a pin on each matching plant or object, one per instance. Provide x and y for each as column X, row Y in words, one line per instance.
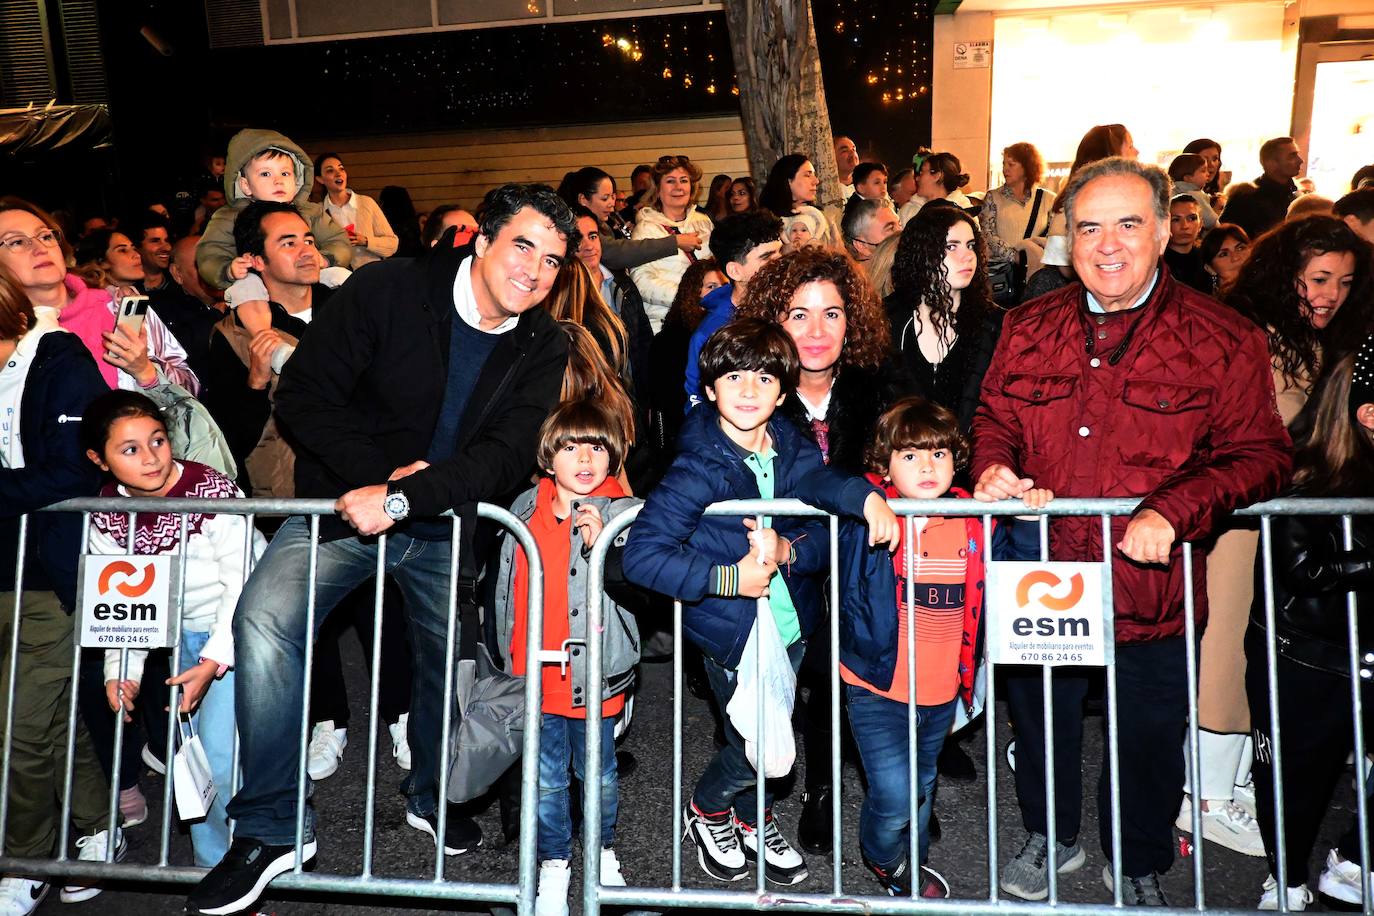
column 270, row 641
column 214, row 722
column 880, row 731
column 559, row 739
column 729, row 780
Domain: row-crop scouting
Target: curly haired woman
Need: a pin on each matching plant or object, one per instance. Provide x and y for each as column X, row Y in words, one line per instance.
column 1308, row 284
column 943, row 321
column 835, row 318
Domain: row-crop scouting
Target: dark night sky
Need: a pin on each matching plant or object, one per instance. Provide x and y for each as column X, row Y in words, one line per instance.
column 175, row 107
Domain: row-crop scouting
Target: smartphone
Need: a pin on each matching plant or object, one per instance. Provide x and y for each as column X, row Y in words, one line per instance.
column 130, row 314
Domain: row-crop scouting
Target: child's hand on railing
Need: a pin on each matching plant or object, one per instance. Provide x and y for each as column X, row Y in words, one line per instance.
column 1037, row 497
column 884, row 527
column 121, row 695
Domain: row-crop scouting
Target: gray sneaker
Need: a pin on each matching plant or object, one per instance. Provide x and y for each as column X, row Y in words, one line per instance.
column 1137, row 891
column 1027, row 875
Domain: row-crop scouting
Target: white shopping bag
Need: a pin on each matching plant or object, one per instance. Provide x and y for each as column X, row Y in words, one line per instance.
column 192, row 780
column 775, row 679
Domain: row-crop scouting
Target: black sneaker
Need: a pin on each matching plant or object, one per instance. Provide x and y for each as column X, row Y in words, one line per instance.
column 463, row 834
column 242, row 875
column 896, row 880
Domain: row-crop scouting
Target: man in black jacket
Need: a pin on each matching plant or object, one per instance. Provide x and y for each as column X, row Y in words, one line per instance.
column 1259, row 206
column 421, row 390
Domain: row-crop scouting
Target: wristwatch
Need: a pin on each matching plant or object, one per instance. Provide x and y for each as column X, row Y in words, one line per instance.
column 396, row 505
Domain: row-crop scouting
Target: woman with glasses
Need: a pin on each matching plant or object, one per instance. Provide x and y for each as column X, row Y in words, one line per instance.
column 33, row 249
column 669, row 211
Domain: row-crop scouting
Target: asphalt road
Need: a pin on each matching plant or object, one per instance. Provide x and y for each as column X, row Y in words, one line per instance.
column 645, row 843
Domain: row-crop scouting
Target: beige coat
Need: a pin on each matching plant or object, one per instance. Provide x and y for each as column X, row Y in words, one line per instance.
column 1222, row 705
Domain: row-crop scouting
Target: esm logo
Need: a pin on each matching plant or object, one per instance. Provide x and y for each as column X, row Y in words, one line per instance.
column 129, row 588
column 1048, row 600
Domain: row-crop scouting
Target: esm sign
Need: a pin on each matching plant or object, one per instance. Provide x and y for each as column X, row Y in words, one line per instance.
column 1048, row 614
column 127, row 602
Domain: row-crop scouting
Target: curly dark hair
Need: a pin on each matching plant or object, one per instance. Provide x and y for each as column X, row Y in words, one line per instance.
column 1266, row 292
column 771, row 290
column 686, row 311
column 918, row 272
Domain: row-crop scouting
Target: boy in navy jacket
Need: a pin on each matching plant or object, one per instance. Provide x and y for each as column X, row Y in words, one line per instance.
column 731, row 449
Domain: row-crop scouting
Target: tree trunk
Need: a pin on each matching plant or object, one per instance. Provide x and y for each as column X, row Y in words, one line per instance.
column 782, row 97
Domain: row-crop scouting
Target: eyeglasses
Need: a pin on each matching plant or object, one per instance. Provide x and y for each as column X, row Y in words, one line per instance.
column 18, row 244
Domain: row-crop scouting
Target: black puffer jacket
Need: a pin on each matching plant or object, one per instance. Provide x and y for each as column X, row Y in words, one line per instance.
column 857, row 399
column 1313, row 572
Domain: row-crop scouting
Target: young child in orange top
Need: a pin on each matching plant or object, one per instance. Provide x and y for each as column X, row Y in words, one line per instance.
column 580, row 452
column 916, row 448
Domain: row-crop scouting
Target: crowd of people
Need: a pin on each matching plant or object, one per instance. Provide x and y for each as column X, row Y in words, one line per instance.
column 576, row 353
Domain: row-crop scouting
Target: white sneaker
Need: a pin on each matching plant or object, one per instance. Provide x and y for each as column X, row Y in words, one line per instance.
column 552, row 897
column 327, row 745
column 781, row 863
column 1341, row 879
column 21, row 896
column 610, row 869
column 717, row 842
column 92, row 849
column 400, row 746
column 1245, row 796
column 1298, row 897
column 1226, row 824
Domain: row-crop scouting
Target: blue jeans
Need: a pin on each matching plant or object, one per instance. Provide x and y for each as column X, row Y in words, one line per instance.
column 729, row 780
column 270, row 642
column 214, row 722
column 559, row 739
column 880, row 731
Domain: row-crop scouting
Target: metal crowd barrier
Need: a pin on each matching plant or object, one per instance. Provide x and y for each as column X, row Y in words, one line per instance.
column 865, row 899
column 519, row 894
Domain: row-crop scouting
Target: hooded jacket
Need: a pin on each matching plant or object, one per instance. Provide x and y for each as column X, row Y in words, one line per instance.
column 719, row 306
column 673, row 546
column 216, row 248
column 619, row 630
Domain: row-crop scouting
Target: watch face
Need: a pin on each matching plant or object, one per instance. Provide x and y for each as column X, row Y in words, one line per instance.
column 396, row 505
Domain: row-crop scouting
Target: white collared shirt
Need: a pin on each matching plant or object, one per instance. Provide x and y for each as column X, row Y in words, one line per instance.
column 1097, row 308
column 345, row 215
column 608, row 289
column 817, row 411
column 466, row 303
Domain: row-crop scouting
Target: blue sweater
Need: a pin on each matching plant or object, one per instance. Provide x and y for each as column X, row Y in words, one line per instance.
column 673, row 546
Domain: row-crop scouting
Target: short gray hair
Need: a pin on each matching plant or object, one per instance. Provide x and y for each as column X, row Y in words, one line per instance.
column 1161, row 188
column 858, row 216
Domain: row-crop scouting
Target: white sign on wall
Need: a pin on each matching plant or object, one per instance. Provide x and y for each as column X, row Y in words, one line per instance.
column 1047, row 614
column 127, row 602
column 972, row 55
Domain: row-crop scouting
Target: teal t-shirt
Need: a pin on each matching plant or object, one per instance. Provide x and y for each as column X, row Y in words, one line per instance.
column 779, row 598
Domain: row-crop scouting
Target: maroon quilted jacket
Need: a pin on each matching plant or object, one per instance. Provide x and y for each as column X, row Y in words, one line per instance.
column 1172, row 402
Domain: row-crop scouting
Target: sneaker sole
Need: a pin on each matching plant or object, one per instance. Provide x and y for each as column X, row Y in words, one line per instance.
column 1338, row 894
column 283, row 864
column 781, row 878
column 423, row 826
column 326, row 772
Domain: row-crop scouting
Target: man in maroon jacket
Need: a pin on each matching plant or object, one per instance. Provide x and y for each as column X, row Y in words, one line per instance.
column 1127, row 384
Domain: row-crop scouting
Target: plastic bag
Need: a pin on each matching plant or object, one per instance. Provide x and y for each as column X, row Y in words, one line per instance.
column 193, row 782
column 776, row 680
